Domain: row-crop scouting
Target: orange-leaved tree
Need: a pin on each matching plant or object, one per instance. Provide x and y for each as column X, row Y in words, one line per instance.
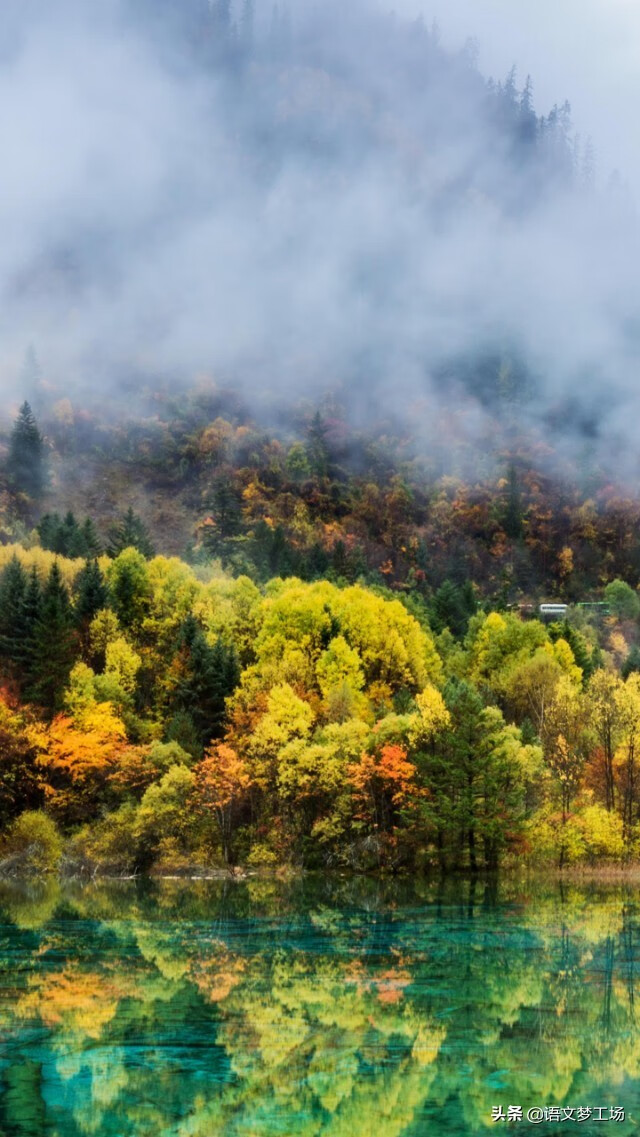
column 78, row 762
column 222, row 786
column 384, row 786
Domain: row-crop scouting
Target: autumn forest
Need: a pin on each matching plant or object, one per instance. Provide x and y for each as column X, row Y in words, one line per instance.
column 341, row 666
column 318, row 381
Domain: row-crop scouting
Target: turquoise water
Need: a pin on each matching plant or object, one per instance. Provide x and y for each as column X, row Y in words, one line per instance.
column 345, row 1008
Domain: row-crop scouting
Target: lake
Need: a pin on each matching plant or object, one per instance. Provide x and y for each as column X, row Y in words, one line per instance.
column 341, row 1007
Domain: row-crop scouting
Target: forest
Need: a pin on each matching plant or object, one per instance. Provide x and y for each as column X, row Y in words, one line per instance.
column 283, row 693
column 300, row 454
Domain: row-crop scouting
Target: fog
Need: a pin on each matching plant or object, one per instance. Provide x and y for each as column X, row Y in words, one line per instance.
column 583, row 50
column 324, row 202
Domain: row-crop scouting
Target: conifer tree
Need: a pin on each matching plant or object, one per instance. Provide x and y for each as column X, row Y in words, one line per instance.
column 25, row 464
column 53, row 644
column 317, row 446
column 130, row 532
column 512, row 521
column 92, row 544
column 30, row 617
column 91, row 593
column 13, row 589
column 209, row 675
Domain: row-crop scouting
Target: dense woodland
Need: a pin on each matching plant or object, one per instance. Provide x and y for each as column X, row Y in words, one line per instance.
column 285, row 692
column 238, row 626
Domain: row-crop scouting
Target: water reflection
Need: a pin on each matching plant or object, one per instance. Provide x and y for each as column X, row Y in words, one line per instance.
column 341, row 1008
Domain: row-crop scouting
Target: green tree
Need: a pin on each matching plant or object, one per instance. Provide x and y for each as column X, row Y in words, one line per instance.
column 632, row 662
column 26, row 461
column 317, row 449
column 129, row 588
column 13, row 590
column 623, row 601
column 53, row 644
column 130, row 533
column 475, row 775
column 92, row 542
column 452, row 608
column 512, row 517
column 207, row 677
column 30, row 619
column 91, row 595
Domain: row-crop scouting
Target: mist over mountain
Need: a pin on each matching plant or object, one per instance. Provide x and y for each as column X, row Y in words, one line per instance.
column 301, row 200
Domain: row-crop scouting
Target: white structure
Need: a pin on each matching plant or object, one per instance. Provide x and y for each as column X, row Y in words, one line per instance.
column 554, row 611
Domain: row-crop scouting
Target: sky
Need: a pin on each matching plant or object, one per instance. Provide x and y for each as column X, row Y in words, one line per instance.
column 586, row 51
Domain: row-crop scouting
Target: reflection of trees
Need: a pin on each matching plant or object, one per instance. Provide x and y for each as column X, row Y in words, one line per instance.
column 209, row 1010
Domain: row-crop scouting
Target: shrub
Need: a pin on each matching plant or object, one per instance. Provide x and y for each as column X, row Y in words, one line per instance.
column 262, row 857
column 111, row 845
column 33, row 843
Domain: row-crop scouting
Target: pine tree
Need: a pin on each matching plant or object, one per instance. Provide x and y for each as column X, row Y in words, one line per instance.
column 528, row 125
column 181, row 729
column 47, row 528
column 512, row 520
column 208, row 676
column 92, row 544
column 317, row 446
column 26, row 464
column 30, row 618
column 631, row 663
column 130, row 532
column 92, row 594
column 67, row 537
column 452, row 608
column 13, row 590
column 227, row 508
column 53, row 644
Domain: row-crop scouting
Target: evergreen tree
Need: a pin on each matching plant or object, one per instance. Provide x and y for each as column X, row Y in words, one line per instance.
column 208, row 676
column 130, row 532
column 317, row 562
column 47, row 529
column 92, row 543
column 67, row 537
column 582, row 654
column 181, row 729
column 452, row 606
column 13, row 590
column 512, row 519
column 26, row 464
column 31, row 616
column 227, row 509
column 528, row 124
column 632, row 662
column 53, row 644
column 317, row 448
column 281, row 556
column 91, row 593
column 475, row 793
